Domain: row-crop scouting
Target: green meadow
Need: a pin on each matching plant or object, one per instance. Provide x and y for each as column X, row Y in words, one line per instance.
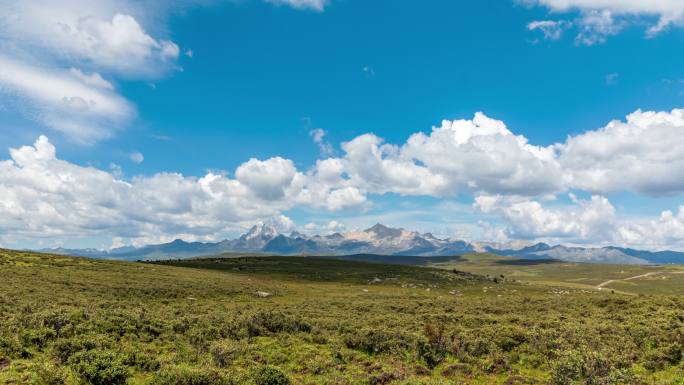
column 301, row 320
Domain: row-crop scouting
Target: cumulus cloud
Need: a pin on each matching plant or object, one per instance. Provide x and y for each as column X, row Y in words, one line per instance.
column 667, row 231
column 592, row 221
column 46, row 197
column 511, row 178
column 640, row 155
column 327, row 187
column 482, row 156
column 589, row 220
column 478, row 155
column 597, row 20
column 267, row 179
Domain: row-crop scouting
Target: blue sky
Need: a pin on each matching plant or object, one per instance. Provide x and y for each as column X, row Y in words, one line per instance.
column 201, row 88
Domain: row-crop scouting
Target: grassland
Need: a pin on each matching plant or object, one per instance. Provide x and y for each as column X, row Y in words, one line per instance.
column 627, row 279
column 280, row 320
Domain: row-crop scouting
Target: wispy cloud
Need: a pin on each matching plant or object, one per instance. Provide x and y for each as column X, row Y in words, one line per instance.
column 318, row 136
column 551, row 29
column 316, row 5
column 600, row 19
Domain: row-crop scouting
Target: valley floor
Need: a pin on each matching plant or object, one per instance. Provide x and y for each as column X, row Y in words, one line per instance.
column 280, row 320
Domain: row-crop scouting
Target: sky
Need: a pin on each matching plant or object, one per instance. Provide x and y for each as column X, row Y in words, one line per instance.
column 129, row 122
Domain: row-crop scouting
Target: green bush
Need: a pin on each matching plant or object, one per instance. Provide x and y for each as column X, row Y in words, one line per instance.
column 263, row 323
column 269, row 375
column 142, row 360
column 660, row 358
column 37, row 337
column 434, row 348
column 377, row 341
column 10, row 347
column 64, row 348
column 568, row 368
column 100, row 367
column 224, row 352
column 182, row 375
column 59, row 321
column 47, row 374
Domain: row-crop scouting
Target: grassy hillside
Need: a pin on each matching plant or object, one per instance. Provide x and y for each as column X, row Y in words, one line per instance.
column 318, row 321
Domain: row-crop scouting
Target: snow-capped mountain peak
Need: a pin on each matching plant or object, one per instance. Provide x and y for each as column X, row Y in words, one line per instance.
column 261, row 230
column 382, row 240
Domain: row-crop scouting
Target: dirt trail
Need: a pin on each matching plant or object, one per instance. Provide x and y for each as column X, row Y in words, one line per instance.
column 608, row 282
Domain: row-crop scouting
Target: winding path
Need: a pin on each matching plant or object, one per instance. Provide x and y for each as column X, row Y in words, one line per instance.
column 608, row 282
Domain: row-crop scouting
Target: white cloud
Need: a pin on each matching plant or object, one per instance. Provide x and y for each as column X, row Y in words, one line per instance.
column 57, row 57
column 268, row 179
column 667, row 231
column 313, row 228
column 640, row 154
column 591, row 222
column 326, row 187
column 318, row 136
column 598, row 15
column 100, row 35
column 335, row 227
column 281, row 223
column 317, row 5
column 586, row 221
column 136, row 157
column 93, row 80
column 380, row 168
column 595, row 27
column 92, row 41
column 83, row 107
column 551, row 29
column 479, row 155
column 46, row 197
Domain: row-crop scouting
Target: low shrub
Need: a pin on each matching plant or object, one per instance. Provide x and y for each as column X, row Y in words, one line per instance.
column 12, row 348
column 568, row 368
column 263, row 323
column 64, row 348
column 661, row 357
column 377, row 341
column 45, row 373
column 224, row 352
column 269, row 375
column 182, row 375
column 100, row 367
column 37, row 337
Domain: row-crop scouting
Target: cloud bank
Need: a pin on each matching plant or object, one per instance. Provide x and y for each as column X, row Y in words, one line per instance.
column 44, row 196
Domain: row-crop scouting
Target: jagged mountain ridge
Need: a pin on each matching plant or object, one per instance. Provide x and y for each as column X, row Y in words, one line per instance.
column 379, row 240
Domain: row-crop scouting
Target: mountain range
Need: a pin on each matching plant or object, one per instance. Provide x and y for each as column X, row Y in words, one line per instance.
column 377, row 240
